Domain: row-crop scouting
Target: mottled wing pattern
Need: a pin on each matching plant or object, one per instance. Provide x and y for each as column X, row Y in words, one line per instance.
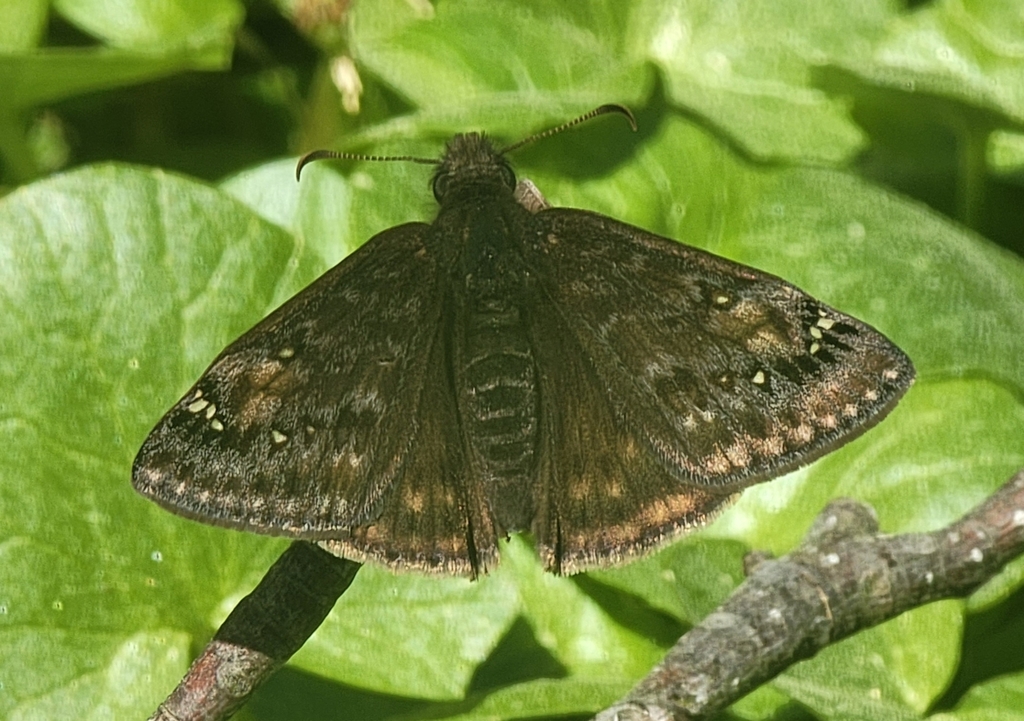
column 436, row 517
column 724, row 375
column 309, row 424
column 603, row 496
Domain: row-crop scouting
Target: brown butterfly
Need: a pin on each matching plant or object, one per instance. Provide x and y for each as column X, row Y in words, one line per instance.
column 515, row 367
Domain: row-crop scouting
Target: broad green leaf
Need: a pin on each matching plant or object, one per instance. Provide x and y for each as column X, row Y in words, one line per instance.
column 112, row 281
column 968, row 50
column 52, row 74
column 748, row 68
column 155, row 26
column 495, row 60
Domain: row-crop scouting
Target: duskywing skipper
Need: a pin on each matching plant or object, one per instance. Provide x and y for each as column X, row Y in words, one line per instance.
column 515, row 367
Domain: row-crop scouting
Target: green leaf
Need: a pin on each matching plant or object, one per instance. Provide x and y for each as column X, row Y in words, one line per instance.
column 968, row 50
column 48, row 75
column 442, row 629
column 496, row 60
column 155, row 26
column 561, row 59
column 115, row 285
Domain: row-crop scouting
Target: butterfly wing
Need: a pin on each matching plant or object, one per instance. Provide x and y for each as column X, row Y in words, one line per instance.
column 603, row 495
column 705, row 372
column 321, row 418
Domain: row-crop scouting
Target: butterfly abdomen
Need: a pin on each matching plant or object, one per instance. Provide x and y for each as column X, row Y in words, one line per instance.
column 496, row 378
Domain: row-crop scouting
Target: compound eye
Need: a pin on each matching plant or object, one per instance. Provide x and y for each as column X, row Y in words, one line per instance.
column 441, row 184
column 508, row 176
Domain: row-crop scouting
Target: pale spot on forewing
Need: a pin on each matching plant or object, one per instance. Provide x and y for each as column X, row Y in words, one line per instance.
column 850, row 410
column 216, row 425
column 739, row 453
column 286, row 352
column 344, row 463
column 825, row 323
column 258, row 409
column 211, row 411
column 767, row 342
column 414, row 500
column 614, row 489
column 579, row 488
column 197, row 405
column 263, row 372
column 803, row 433
column 278, row 437
column 828, row 421
column 890, row 375
column 871, row 395
column 768, row 447
column 816, row 333
column 716, row 464
column 815, row 347
column 758, row 378
column 689, row 422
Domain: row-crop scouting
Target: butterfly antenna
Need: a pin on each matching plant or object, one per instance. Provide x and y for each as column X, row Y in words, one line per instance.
column 336, row 155
column 603, row 110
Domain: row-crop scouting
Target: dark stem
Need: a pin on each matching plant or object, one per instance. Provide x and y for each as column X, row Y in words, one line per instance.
column 262, row 632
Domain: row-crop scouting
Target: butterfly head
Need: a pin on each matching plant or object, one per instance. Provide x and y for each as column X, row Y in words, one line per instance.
column 470, row 166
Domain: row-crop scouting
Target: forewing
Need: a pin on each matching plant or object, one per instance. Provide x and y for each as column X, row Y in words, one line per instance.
column 433, row 518
column 726, row 375
column 303, row 426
